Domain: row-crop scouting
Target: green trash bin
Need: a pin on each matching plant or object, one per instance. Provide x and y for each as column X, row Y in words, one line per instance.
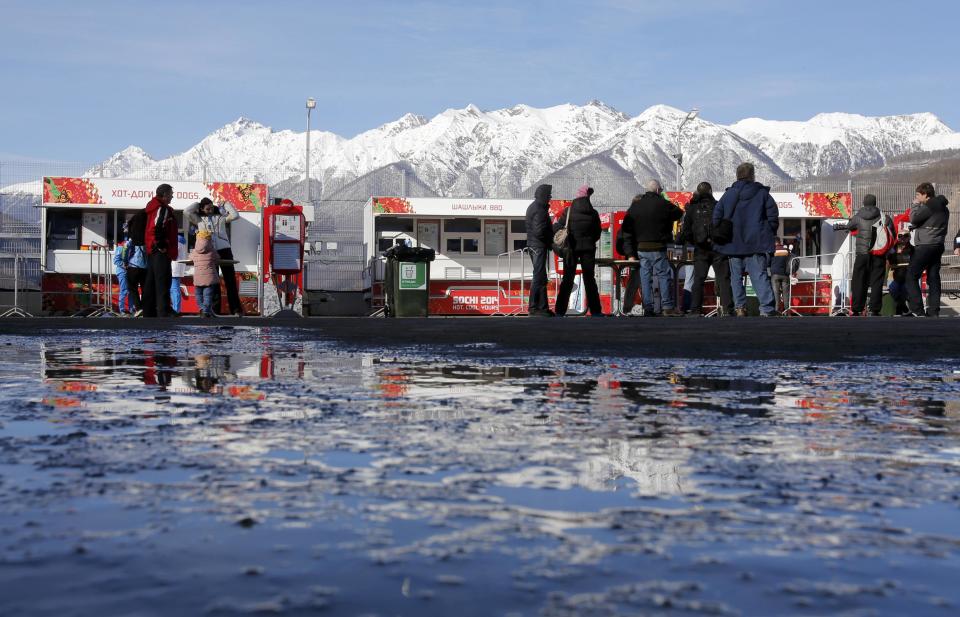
column 407, row 281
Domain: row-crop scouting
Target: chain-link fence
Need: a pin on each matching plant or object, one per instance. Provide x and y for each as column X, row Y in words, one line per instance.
column 336, row 260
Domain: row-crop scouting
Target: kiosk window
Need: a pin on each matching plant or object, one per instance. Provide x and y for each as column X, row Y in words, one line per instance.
column 471, row 245
column 468, row 226
column 519, row 244
column 395, row 224
column 389, row 227
column 454, row 245
column 518, row 226
column 64, row 228
column 791, row 228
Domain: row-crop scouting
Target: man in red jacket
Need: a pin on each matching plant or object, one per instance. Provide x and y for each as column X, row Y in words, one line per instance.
column 160, row 241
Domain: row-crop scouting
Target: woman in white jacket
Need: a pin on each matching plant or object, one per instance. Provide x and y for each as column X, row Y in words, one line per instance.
column 207, row 216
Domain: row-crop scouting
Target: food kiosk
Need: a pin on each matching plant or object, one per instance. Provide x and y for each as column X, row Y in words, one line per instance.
column 83, row 220
column 479, row 268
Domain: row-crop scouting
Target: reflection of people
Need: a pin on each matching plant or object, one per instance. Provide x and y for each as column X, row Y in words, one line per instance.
column 584, row 232
column 648, row 228
column 753, row 211
column 929, row 220
column 205, row 215
column 208, row 375
column 161, row 248
column 539, row 241
column 204, row 272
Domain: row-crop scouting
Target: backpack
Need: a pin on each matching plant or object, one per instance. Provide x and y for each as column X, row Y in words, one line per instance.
column 883, row 237
column 702, row 224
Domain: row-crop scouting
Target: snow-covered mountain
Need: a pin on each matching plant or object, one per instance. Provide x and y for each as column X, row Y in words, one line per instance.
column 837, row 143
column 503, row 153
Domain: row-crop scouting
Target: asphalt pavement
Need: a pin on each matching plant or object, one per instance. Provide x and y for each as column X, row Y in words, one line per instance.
column 798, row 338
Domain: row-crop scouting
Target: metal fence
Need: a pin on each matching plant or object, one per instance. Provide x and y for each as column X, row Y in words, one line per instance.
column 336, row 260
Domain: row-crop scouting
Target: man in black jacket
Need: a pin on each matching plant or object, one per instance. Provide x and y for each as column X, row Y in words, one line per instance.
column 647, row 229
column 539, row 241
column 869, row 270
column 697, row 229
column 928, row 218
column 583, row 233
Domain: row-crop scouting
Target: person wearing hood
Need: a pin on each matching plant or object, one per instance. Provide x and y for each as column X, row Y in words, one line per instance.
column 869, row 270
column 697, row 229
column 160, row 241
column 583, row 233
column 928, row 218
column 755, row 218
column 539, row 242
column 647, row 228
column 215, row 219
column 205, row 277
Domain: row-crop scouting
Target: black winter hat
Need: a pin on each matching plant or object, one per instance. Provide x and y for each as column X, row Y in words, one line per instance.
column 869, row 199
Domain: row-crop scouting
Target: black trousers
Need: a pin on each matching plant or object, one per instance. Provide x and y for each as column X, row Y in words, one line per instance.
column 588, row 264
column 135, row 280
column 868, row 271
column 925, row 258
column 538, row 287
column 229, row 277
column 702, row 260
column 156, row 287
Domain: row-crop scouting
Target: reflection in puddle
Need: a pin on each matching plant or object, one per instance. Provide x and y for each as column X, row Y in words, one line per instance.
column 303, row 476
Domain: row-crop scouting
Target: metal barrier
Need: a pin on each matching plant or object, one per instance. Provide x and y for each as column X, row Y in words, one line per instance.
column 826, row 270
column 15, row 310
column 101, row 283
column 508, row 302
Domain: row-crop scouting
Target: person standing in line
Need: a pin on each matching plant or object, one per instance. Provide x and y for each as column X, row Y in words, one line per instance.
column 782, row 267
column 869, row 270
column 584, row 232
column 205, row 277
column 928, row 218
column 648, row 228
column 899, row 260
column 539, row 243
column 177, row 271
column 136, row 260
column 755, row 217
column 161, row 249
column 124, row 306
column 206, row 215
column 697, row 229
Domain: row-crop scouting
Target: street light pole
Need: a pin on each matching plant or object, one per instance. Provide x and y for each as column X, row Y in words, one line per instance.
column 679, row 155
column 311, row 105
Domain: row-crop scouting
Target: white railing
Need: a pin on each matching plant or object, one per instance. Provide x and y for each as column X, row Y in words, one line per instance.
column 815, row 270
column 508, row 301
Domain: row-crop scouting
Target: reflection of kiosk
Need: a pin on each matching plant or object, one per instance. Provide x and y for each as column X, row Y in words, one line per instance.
column 83, row 219
column 479, row 267
column 284, row 234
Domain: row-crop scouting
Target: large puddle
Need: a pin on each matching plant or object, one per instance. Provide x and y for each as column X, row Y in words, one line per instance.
column 245, row 471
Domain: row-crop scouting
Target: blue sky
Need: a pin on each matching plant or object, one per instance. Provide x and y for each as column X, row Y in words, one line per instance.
column 82, row 80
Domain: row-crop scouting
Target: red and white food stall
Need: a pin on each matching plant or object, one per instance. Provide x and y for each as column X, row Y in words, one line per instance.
column 472, row 237
column 84, row 217
column 474, row 240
